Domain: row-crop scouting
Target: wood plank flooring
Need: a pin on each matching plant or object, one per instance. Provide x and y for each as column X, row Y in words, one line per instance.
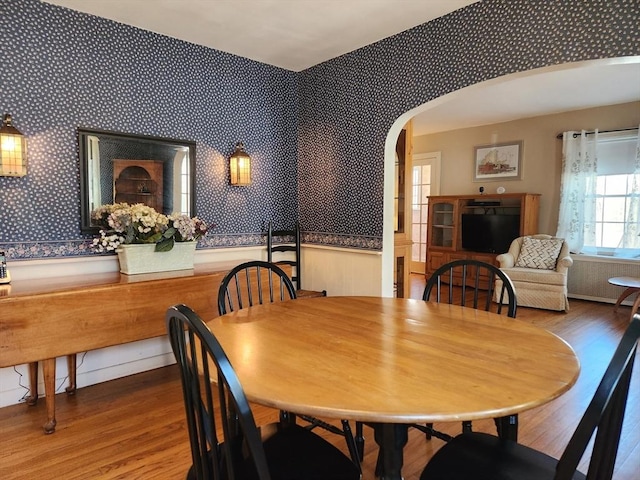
column 133, row 428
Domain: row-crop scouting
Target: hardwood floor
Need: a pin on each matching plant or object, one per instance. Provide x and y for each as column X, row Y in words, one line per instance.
column 133, row 428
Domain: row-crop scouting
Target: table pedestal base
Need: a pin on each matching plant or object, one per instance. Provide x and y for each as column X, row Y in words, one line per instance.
column 391, row 439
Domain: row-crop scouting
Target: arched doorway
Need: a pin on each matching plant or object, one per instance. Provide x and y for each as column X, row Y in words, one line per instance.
column 536, row 81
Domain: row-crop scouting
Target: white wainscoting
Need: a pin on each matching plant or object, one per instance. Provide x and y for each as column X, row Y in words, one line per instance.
column 339, row 271
column 587, row 277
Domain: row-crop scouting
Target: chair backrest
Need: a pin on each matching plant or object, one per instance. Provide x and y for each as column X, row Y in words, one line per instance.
column 253, row 283
column 294, row 247
column 605, row 413
column 199, row 356
column 477, row 286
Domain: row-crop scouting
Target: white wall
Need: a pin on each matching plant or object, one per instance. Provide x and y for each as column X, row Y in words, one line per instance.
column 542, row 152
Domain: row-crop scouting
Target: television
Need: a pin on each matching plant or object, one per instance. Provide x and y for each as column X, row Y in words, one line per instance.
column 489, row 233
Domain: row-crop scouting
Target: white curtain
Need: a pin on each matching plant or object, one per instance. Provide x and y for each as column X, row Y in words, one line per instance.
column 578, row 180
column 631, row 238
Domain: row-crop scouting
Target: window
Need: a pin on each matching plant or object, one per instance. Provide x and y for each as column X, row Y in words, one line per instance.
column 600, row 197
column 615, row 223
column 181, row 183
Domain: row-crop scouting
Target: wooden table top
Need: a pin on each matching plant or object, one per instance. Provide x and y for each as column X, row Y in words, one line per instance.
column 53, row 317
column 393, row 360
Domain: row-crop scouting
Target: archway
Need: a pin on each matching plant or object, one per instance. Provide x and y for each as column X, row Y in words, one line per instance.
column 511, row 81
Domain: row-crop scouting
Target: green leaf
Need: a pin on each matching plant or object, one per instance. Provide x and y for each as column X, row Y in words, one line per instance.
column 129, row 235
column 164, row 245
column 169, row 232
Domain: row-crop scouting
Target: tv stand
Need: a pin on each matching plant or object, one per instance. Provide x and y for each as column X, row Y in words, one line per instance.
column 444, row 238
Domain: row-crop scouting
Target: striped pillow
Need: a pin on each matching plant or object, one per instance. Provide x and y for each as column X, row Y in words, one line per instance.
column 540, row 253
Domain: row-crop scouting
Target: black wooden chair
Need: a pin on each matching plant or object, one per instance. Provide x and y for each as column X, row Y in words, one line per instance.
column 274, row 451
column 485, row 457
column 477, row 291
column 293, row 244
column 255, row 283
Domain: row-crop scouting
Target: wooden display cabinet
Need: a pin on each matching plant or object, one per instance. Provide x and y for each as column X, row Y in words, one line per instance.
column 138, row 181
column 444, row 242
column 402, row 215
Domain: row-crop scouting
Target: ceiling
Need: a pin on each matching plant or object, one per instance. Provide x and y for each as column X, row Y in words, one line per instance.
column 534, row 93
column 297, row 34
column 292, row 34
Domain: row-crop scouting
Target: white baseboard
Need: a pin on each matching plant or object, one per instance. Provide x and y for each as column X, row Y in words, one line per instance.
column 105, row 365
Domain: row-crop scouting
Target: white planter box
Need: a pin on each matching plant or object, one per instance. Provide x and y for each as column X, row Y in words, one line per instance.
column 142, row 258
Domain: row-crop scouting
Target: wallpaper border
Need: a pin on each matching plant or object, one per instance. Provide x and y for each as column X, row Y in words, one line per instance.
column 82, row 248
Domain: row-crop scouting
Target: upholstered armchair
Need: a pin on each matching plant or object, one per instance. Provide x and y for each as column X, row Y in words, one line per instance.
column 537, row 265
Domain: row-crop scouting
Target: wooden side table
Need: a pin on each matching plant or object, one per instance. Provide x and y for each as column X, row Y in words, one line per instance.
column 632, row 285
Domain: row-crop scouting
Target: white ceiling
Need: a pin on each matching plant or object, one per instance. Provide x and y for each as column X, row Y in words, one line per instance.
column 534, row 93
column 292, row 34
column 297, row 34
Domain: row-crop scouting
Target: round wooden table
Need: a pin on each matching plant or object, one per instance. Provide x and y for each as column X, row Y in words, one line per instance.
column 632, row 285
column 393, row 362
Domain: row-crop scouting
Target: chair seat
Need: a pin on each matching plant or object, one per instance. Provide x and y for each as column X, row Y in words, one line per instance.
column 295, row 453
column 480, row 456
column 534, row 275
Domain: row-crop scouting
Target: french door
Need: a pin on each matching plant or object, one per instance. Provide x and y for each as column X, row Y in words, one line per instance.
column 425, row 180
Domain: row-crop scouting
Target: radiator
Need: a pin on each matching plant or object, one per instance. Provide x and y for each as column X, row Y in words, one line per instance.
column 587, row 278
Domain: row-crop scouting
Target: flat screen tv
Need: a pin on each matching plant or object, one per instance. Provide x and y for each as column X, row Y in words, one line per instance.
column 489, row 233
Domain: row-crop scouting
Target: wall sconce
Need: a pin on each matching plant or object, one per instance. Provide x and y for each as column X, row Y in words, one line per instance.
column 13, row 150
column 240, row 167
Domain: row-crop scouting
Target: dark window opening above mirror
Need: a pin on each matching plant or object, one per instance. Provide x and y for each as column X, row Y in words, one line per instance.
column 116, row 167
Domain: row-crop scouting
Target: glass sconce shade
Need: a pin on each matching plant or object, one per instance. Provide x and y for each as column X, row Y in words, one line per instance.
column 13, row 150
column 240, row 167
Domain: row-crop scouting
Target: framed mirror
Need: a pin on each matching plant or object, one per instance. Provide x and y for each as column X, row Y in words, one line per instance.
column 116, row 167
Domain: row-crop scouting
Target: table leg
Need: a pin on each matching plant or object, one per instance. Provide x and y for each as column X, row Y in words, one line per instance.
column 391, row 439
column 636, row 304
column 624, row 295
column 32, row 399
column 71, row 368
column 508, row 427
column 49, row 369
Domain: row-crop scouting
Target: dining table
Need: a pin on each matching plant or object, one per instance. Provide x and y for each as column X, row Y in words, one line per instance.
column 393, row 362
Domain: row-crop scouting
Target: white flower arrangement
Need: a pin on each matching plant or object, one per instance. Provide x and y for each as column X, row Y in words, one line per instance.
column 126, row 224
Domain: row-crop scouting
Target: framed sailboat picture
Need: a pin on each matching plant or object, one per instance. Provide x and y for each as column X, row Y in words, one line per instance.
column 502, row 161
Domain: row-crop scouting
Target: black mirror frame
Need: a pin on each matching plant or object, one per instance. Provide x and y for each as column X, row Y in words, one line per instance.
column 85, row 211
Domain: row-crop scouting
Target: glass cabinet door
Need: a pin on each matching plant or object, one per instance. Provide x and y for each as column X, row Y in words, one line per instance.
column 442, row 225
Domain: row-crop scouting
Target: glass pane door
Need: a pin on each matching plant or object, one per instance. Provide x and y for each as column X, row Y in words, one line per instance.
column 425, row 176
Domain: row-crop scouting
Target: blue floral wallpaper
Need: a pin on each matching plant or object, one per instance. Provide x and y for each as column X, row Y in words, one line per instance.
column 316, row 137
column 348, row 104
column 61, row 69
